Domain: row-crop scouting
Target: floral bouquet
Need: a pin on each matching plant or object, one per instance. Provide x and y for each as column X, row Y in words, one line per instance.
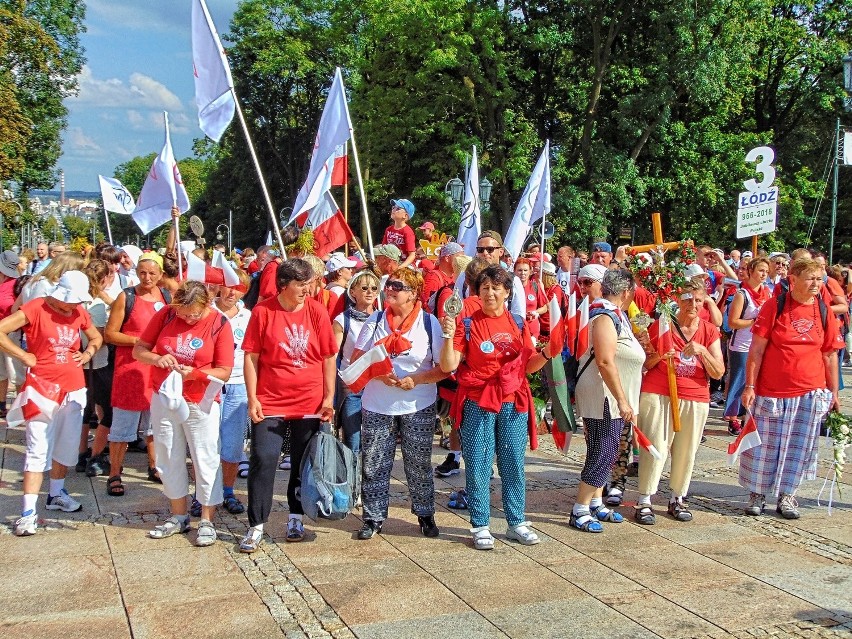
column 840, row 431
column 662, row 277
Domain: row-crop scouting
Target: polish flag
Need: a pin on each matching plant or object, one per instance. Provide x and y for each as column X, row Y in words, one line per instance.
column 340, row 172
column 38, row 399
column 747, row 439
column 665, row 341
column 373, row 363
column 328, row 224
column 219, row 272
column 645, row 443
column 214, row 87
column 557, row 328
column 571, row 322
column 220, row 262
column 583, row 329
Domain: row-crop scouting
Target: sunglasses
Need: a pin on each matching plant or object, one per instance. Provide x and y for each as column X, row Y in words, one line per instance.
column 370, row 288
column 396, row 286
column 586, row 282
column 486, row 249
column 784, row 264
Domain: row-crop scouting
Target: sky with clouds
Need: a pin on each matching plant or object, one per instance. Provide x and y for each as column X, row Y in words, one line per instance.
column 139, row 63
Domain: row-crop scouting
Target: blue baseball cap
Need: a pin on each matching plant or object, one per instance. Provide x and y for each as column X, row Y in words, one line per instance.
column 406, row 205
column 602, row 247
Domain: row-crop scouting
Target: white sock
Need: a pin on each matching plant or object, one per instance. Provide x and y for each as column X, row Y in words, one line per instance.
column 294, row 516
column 596, row 502
column 56, row 486
column 456, row 454
column 644, row 500
column 615, row 491
column 675, row 498
column 580, row 509
column 29, row 503
column 259, row 528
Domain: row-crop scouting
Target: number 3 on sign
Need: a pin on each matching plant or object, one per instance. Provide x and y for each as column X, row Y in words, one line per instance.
column 764, row 167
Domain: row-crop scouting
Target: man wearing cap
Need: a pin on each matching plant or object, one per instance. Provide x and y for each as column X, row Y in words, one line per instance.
column 8, row 366
column 428, row 229
column 779, row 264
column 601, row 254
column 441, row 277
column 399, row 233
column 387, row 259
column 55, row 361
column 712, row 261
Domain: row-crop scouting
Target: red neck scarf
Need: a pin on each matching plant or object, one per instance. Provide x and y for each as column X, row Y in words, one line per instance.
column 396, row 343
column 759, row 296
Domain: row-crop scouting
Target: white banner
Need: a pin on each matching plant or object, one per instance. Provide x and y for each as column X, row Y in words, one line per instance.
column 470, row 225
column 534, row 204
column 847, row 148
column 115, row 196
column 213, row 83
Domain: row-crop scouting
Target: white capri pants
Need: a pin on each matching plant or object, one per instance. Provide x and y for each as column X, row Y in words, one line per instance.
column 57, row 439
column 200, row 431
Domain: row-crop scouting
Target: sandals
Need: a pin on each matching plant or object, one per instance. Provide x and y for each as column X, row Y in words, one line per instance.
column 234, row 505
column 605, row 514
column 523, row 534
column 680, row 511
column 242, row 469
column 154, row 476
column 173, row 525
column 586, row 523
column 206, row 533
column 645, row 515
column 114, row 486
column 615, row 496
column 251, row 540
column 195, row 508
column 482, row 538
column 458, row 500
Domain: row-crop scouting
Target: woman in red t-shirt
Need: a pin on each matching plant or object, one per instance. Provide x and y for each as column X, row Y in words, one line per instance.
column 190, row 347
column 290, row 373
column 536, row 303
column 791, row 383
column 693, row 345
column 493, row 356
column 52, row 327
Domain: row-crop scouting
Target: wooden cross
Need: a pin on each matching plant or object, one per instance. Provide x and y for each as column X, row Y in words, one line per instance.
column 658, row 245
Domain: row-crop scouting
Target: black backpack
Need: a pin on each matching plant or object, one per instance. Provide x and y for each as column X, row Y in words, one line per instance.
column 130, row 300
column 253, row 293
column 781, row 301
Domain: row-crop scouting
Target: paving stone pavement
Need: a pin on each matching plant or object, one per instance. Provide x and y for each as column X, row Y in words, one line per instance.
column 95, row 573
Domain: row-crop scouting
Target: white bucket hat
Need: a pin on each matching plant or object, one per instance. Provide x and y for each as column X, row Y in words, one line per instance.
column 72, row 288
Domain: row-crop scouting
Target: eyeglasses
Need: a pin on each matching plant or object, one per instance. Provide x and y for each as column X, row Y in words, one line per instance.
column 488, row 249
column 586, row 282
column 370, row 288
column 784, row 264
column 396, row 286
column 192, row 316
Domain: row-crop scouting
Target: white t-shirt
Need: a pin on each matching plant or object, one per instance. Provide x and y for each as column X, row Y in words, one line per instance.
column 389, row 400
column 238, row 322
column 563, row 278
column 350, row 338
column 99, row 312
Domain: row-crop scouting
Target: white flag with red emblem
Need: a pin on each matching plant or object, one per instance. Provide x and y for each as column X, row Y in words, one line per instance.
column 213, row 84
column 37, row 399
column 335, row 129
column 162, row 190
column 373, row 363
column 747, row 439
column 583, row 329
column 645, row 443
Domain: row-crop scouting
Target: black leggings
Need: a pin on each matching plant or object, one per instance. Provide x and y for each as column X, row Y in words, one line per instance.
column 266, row 440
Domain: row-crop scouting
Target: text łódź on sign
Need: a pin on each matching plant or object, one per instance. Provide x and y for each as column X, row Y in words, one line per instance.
column 757, row 212
column 757, row 207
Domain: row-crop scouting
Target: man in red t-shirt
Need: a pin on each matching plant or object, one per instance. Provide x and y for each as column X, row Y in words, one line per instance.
column 269, row 262
column 399, row 233
column 442, row 277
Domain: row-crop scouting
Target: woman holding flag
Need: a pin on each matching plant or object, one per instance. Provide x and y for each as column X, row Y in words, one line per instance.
column 609, row 379
column 790, row 384
column 492, row 351
column 693, row 344
column 52, row 325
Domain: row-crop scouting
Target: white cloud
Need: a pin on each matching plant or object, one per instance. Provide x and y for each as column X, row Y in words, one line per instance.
column 79, row 141
column 139, row 92
column 153, row 121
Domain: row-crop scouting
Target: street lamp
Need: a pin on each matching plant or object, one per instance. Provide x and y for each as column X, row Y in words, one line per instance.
column 838, row 149
column 485, row 195
column 224, row 236
column 454, row 190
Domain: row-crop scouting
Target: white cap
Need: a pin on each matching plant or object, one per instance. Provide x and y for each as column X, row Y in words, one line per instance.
column 747, row 254
column 593, row 272
column 694, row 270
column 133, row 252
column 548, row 267
column 338, row 261
column 73, row 288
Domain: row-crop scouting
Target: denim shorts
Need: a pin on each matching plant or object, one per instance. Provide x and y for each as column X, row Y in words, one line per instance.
column 234, row 422
column 127, row 423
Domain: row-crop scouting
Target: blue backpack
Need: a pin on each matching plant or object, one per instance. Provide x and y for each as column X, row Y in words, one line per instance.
column 331, row 477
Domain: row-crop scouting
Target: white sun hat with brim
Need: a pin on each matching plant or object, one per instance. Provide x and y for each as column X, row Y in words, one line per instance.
column 694, row 270
column 72, row 288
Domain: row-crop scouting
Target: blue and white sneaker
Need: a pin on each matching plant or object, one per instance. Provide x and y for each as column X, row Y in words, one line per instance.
column 64, row 502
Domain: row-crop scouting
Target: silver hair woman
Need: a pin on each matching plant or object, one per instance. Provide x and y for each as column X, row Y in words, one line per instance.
column 610, row 379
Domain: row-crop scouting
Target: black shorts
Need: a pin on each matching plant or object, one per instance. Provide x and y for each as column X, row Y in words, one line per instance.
column 98, row 392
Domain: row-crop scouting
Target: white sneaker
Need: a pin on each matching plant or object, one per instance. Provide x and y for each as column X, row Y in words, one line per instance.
column 285, row 463
column 523, row 534
column 295, row 530
column 26, row 525
column 64, row 502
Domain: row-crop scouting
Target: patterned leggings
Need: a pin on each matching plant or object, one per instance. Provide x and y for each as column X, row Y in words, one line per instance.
column 378, row 444
column 602, row 447
column 618, row 477
column 482, row 435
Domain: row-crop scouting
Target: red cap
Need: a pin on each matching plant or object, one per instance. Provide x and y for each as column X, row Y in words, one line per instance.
column 425, row 226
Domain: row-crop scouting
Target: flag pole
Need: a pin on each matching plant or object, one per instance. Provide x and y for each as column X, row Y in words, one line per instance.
column 177, row 245
column 109, row 232
column 263, row 188
column 361, row 188
column 346, row 192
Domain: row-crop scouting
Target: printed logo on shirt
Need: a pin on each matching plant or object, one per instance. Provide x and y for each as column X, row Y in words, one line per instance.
column 802, row 325
column 63, row 342
column 239, row 333
column 296, row 345
column 505, row 343
column 185, row 348
column 397, row 238
column 686, row 366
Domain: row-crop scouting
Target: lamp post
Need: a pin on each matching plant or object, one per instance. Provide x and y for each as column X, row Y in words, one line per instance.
column 454, row 190
column 224, row 236
column 838, row 149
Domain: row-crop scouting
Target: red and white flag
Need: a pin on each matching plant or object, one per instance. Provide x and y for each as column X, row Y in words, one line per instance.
column 220, row 262
column 373, row 363
column 335, row 129
column 665, row 341
column 162, row 190
column 557, row 327
column 583, row 329
column 571, row 322
column 213, row 83
column 340, row 172
column 747, row 439
column 645, row 443
column 38, row 399
column 218, row 272
column 328, row 224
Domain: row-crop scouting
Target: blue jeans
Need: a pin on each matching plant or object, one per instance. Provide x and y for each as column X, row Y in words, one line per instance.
column 234, row 422
column 350, row 421
column 736, row 382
